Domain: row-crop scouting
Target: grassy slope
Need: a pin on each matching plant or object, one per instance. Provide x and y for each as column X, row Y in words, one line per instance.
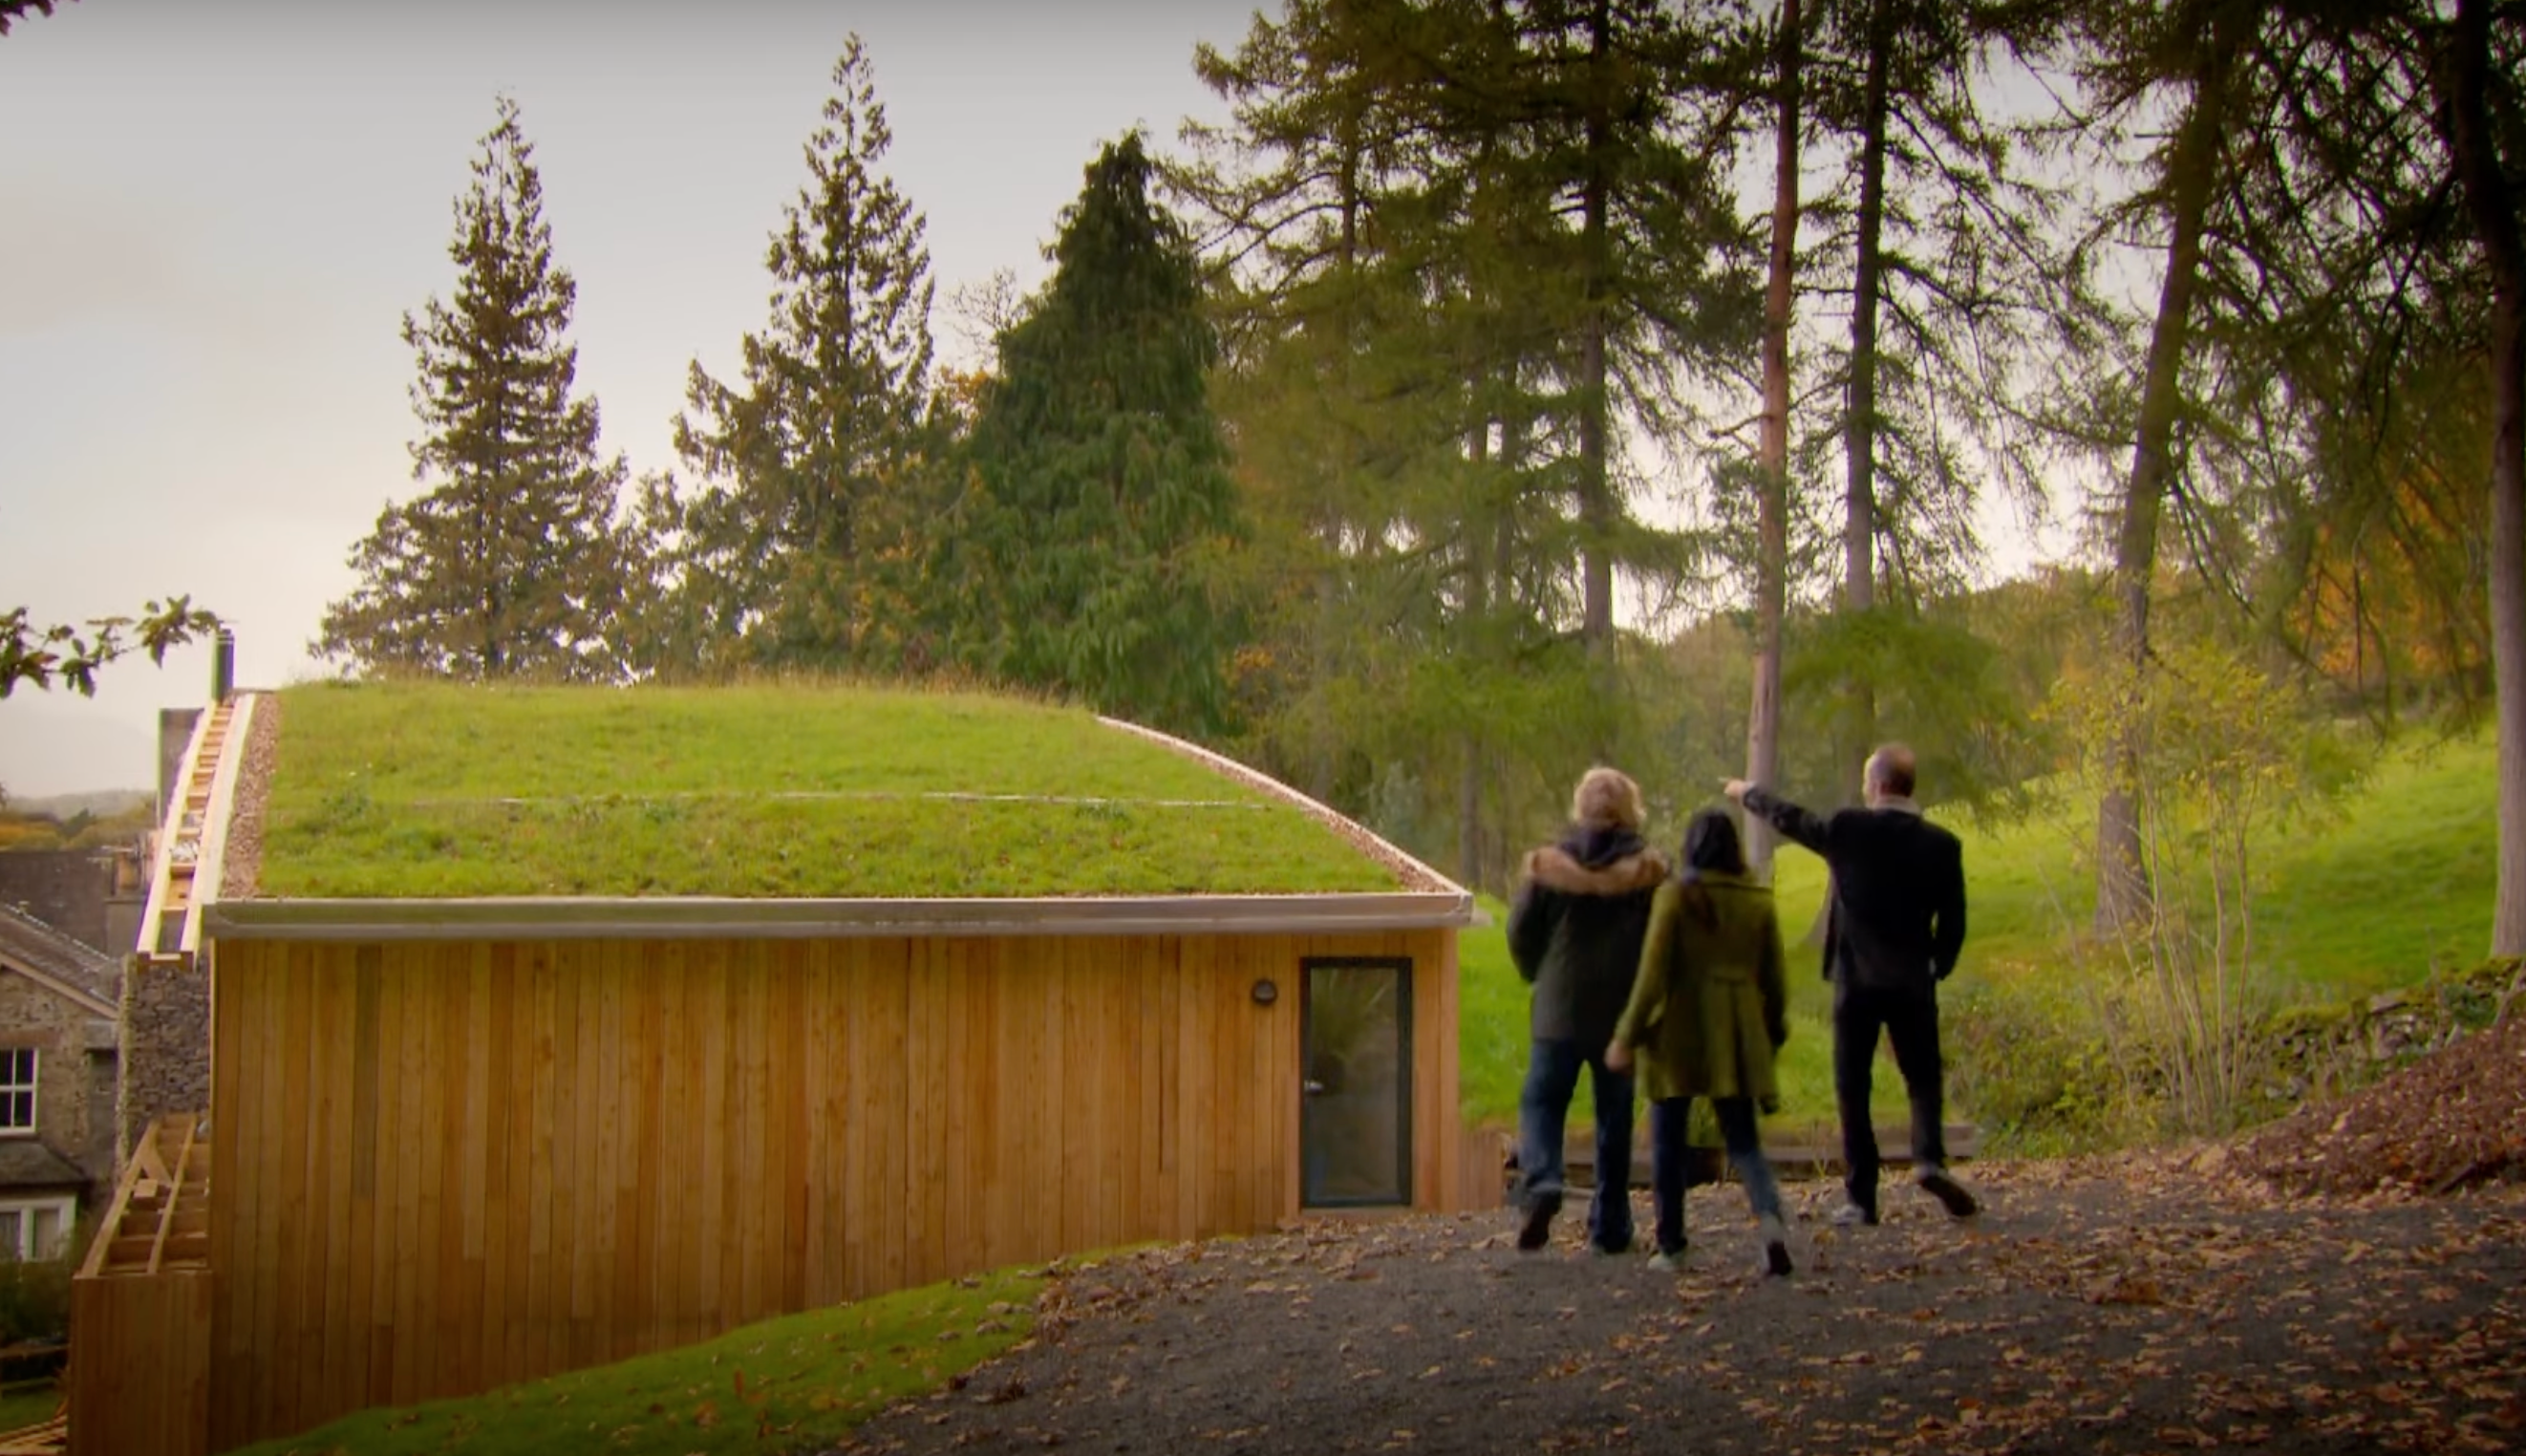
column 799, row 1382
column 1491, row 1040
column 33, row 1406
column 2398, row 879
column 398, row 790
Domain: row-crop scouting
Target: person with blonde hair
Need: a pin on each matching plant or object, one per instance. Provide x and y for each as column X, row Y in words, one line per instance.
column 1574, row 926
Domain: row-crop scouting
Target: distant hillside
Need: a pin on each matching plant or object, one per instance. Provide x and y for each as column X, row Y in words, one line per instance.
column 101, row 803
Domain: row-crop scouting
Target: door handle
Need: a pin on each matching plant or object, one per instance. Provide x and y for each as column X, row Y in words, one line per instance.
column 1313, row 1088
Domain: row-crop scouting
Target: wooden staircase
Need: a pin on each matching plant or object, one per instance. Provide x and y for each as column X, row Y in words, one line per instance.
column 161, row 1216
column 140, row 1307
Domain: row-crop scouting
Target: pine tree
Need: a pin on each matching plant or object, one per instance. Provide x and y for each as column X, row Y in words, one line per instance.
column 511, row 566
column 1100, row 498
column 799, row 545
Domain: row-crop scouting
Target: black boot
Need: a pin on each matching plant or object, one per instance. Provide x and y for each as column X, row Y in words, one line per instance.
column 1537, row 1231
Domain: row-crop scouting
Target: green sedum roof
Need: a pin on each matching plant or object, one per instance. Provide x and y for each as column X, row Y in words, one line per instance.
column 433, row 791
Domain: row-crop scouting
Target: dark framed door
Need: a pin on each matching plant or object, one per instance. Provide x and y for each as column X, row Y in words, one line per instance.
column 1355, row 1106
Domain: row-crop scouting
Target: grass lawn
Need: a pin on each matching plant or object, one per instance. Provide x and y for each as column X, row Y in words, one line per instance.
column 19, row 1409
column 2398, row 879
column 2395, row 880
column 799, row 1382
column 426, row 791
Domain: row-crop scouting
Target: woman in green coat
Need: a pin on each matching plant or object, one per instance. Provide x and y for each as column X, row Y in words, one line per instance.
column 1706, row 1017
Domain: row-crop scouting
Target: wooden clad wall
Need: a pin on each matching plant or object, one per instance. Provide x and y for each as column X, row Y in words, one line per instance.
column 444, row 1167
column 142, row 1383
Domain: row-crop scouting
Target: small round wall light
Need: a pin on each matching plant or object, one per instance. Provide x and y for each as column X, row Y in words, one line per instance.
column 1266, row 991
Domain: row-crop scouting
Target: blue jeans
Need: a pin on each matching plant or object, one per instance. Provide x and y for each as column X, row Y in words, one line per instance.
column 1671, row 1154
column 1543, row 1110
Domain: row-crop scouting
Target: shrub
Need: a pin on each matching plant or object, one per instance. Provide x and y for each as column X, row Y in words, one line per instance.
column 2207, row 748
column 35, row 1300
column 2030, row 1061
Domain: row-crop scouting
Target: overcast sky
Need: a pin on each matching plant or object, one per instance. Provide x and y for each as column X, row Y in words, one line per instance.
column 214, row 216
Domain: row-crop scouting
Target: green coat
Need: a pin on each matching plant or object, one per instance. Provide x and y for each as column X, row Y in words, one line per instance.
column 1708, row 1009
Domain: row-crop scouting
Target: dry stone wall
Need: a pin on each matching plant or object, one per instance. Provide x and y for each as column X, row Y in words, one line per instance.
column 166, row 1044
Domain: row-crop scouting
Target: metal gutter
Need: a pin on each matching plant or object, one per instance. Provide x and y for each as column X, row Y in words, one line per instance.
column 704, row 918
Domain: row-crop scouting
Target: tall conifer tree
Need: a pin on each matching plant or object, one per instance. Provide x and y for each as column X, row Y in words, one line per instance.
column 511, row 565
column 797, row 547
column 1100, row 496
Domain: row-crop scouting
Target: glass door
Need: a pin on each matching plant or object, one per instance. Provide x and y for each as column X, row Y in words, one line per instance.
column 1355, row 1114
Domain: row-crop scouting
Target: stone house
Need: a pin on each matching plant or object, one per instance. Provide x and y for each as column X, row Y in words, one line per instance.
column 58, row 1066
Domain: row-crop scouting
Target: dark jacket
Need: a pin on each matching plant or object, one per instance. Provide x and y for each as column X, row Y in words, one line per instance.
column 1898, row 917
column 1575, row 928
column 1708, row 1009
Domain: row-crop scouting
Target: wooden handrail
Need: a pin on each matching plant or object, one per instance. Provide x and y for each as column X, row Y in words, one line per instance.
column 175, row 1196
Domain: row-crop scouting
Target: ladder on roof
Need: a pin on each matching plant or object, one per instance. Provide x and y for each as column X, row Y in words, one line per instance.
column 184, row 872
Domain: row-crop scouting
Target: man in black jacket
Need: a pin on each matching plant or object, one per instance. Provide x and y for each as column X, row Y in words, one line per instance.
column 1575, row 928
column 1896, row 923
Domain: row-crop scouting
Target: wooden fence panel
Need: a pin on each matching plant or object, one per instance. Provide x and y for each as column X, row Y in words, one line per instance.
column 143, row 1387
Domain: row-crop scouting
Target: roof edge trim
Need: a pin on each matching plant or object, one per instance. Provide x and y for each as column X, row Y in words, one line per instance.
column 1362, row 837
column 703, row 917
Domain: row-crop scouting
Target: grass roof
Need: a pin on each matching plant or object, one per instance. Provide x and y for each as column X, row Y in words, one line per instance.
column 436, row 791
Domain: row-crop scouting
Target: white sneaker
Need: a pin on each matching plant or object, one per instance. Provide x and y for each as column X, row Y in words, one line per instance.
column 1665, row 1262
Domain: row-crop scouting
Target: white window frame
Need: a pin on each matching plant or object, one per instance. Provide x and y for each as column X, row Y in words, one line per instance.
column 10, row 1085
column 64, row 1209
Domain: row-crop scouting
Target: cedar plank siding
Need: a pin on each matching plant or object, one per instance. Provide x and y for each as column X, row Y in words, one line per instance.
column 443, row 1166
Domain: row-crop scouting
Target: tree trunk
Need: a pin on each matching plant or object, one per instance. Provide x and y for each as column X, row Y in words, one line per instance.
column 1595, row 492
column 1860, row 429
column 2466, row 78
column 2122, row 887
column 1477, row 602
column 1771, row 558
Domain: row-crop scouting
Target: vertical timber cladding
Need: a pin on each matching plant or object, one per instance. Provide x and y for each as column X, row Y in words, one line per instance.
column 444, row 1166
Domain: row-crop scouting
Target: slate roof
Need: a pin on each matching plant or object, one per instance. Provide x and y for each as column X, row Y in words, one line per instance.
column 27, row 1164
column 30, row 944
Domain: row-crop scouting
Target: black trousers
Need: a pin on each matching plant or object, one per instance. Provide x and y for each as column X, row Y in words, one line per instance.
column 1911, row 1020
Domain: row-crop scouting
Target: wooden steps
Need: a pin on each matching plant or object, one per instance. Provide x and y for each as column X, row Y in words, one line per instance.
column 161, row 1216
column 140, row 1306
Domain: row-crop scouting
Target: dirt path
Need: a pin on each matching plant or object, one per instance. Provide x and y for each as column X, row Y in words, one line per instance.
column 2124, row 1307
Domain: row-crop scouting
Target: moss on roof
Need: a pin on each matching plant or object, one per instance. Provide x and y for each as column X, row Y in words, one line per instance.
column 436, row 791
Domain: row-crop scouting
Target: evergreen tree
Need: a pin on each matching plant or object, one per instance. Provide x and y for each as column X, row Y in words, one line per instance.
column 511, row 566
column 1929, row 270
column 1469, row 248
column 1100, row 499
column 798, row 549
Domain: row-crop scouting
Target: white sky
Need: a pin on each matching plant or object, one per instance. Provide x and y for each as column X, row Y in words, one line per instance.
column 214, row 216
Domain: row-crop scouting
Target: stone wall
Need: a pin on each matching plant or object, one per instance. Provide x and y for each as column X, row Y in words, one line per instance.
column 166, row 1044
